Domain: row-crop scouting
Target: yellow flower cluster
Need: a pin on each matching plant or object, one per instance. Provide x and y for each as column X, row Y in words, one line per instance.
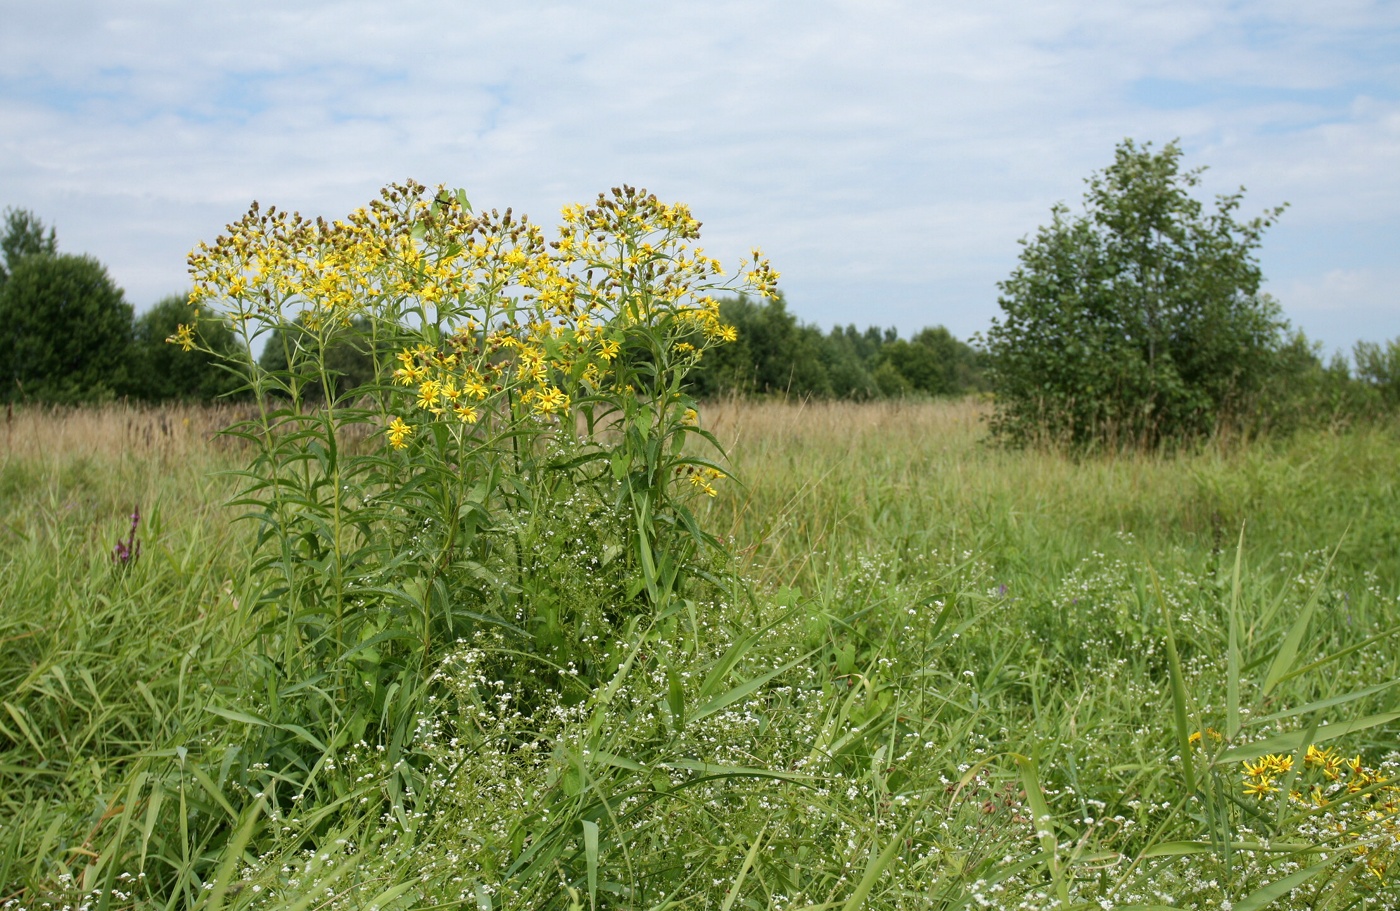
column 700, row 479
column 1368, row 803
column 1259, row 776
column 494, row 322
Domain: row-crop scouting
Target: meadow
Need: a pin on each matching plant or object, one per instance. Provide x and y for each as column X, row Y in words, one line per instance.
column 936, row 674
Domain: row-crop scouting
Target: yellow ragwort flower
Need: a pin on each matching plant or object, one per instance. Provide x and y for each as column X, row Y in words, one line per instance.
column 428, row 393
column 398, row 433
column 550, row 400
column 184, row 337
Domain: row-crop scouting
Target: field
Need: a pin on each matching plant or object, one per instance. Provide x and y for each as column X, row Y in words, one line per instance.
column 938, row 674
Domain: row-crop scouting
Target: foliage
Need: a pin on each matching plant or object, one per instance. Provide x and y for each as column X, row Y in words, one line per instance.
column 65, row 331
column 933, row 362
column 1378, row 367
column 777, row 355
column 1140, row 321
column 349, row 358
column 160, row 372
column 773, row 353
column 23, row 236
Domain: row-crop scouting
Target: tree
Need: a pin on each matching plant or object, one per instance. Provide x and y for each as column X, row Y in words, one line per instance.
column 24, row 236
column 1142, row 320
column 933, row 362
column 65, row 330
column 1378, row 367
column 348, row 357
column 774, row 354
column 160, row 371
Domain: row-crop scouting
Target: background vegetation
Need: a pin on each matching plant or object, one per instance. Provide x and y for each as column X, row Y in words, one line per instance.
column 924, row 610
column 1070, row 362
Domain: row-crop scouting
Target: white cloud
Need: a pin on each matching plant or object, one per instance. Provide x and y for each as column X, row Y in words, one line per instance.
column 887, row 155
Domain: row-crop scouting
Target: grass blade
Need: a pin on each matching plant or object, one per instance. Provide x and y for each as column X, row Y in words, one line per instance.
column 1288, row 652
column 743, row 870
column 590, row 854
column 1030, row 780
column 1263, row 898
column 1180, row 713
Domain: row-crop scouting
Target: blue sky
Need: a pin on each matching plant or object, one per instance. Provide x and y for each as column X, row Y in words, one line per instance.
column 886, row 155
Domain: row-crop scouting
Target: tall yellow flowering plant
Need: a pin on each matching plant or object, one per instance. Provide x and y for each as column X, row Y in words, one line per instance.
column 528, row 411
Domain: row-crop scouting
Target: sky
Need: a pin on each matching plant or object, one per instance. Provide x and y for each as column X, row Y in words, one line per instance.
column 887, row 156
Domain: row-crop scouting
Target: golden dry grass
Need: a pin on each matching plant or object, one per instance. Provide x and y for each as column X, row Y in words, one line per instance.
column 164, row 433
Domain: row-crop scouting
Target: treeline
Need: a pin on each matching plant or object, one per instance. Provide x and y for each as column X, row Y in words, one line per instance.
column 776, row 355
column 68, row 335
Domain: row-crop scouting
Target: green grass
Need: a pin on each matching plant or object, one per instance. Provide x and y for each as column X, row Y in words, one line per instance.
column 954, row 676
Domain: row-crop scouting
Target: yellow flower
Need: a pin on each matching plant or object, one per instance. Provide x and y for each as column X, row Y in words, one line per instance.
column 550, row 400
column 609, row 349
column 428, row 393
column 1260, row 787
column 184, row 337
column 407, row 376
column 466, row 413
column 399, row 432
column 700, row 483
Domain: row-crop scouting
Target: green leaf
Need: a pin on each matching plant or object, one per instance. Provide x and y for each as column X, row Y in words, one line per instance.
column 1263, row 898
column 716, row 703
column 1180, row 720
column 1288, row 651
column 1293, row 741
column 590, row 852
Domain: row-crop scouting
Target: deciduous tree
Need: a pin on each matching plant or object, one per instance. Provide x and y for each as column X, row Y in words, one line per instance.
column 65, row 331
column 1141, row 320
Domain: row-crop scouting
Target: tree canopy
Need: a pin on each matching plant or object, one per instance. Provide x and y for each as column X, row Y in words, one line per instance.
column 24, row 235
column 1141, row 320
column 160, row 371
column 65, row 331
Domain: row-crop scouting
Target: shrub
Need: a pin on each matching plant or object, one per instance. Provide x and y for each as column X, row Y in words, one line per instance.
column 1140, row 321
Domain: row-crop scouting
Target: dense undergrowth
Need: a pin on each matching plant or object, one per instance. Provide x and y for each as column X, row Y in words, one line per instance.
column 921, row 629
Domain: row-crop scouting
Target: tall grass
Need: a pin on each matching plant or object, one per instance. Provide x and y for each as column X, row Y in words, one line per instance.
column 954, row 676
column 841, row 480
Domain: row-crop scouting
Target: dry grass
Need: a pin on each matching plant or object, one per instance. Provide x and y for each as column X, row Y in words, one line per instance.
column 825, row 482
column 164, row 433
column 945, row 423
